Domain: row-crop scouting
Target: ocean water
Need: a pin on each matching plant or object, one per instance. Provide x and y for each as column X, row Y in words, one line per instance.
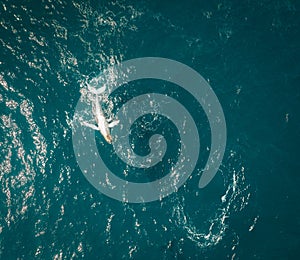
column 248, row 51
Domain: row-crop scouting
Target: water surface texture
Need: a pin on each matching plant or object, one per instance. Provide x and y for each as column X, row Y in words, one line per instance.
column 248, row 51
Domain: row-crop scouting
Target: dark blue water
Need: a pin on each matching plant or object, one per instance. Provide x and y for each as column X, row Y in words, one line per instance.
column 249, row 53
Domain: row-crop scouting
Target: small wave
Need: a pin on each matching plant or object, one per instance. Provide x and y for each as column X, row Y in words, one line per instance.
column 23, row 154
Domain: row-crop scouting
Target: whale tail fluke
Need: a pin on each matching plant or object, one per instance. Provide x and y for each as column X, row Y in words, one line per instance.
column 95, row 91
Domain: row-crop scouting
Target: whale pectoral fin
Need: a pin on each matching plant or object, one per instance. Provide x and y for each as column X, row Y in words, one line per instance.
column 113, row 123
column 96, row 91
column 90, row 125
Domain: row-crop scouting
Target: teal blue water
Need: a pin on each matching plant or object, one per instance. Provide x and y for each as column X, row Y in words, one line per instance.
column 249, row 53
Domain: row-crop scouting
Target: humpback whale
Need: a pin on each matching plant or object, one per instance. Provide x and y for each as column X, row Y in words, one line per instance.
column 103, row 124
